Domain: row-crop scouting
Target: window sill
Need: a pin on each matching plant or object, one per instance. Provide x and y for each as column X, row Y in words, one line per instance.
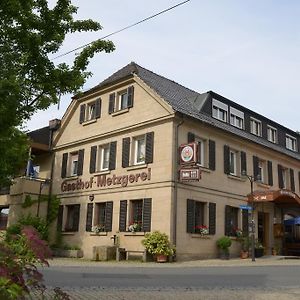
column 73, row 177
column 204, row 169
column 120, row 112
column 236, row 177
column 106, row 172
column 89, row 122
column 68, row 232
column 199, row 236
column 138, row 233
column 99, row 234
column 136, row 167
column 263, row 185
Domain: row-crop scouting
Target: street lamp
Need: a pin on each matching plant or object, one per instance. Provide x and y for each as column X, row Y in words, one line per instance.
column 252, row 178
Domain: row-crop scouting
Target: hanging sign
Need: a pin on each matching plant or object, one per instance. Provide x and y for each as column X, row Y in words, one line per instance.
column 189, row 174
column 188, row 153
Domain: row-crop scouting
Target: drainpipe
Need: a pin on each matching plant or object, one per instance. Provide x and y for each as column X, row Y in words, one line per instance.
column 175, row 180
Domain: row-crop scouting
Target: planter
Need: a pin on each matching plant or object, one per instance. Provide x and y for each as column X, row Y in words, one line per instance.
column 259, row 252
column 161, row 258
column 224, row 255
column 67, row 253
column 244, row 254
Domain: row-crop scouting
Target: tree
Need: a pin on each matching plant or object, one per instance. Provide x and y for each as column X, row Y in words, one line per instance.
column 31, row 32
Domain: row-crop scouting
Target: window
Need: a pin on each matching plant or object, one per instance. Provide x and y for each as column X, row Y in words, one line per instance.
column 91, row 111
column 262, row 171
column 255, row 126
column 73, row 164
column 104, row 158
column 139, row 150
column 136, row 214
column 100, row 216
column 4, row 211
column 72, row 217
column 285, row 178
column 219, row 110
column 231, row 220
column 236, row 118
column 202, row 144
column 272, row 134
column 233, row 162
column 290, row 143
column 121, row 100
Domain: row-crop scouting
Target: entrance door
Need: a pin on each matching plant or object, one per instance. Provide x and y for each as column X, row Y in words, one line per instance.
column 263, row 227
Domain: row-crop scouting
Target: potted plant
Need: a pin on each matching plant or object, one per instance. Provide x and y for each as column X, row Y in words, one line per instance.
column 158, row 244
column 135, row 227
column 245, row 243
column 259, row 249
column 276, row 248
column 223, row 243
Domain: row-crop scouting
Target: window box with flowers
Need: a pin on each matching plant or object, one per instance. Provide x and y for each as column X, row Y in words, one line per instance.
column 97, row 229
column 135, row 227
column 202, row 229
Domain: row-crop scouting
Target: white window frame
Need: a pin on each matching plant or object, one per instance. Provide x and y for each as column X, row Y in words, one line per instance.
column 103, row 150
column 236, row 118
column 136, row 145
column 233, row 155
column 219, row 110
column 255, row 126
column 91, row 111
column 73, row 164
column 262, row 170
column 272, row 134
column 290, row 142
column 121, row 99
column 201, row 149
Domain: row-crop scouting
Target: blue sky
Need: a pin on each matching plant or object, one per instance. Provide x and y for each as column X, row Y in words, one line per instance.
column 247, row 51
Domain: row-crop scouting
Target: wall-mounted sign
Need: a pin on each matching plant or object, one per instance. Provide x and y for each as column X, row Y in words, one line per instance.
column 189, row 174
column 188, row 153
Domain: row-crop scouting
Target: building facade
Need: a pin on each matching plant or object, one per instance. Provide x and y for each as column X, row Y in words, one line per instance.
column 117, row 166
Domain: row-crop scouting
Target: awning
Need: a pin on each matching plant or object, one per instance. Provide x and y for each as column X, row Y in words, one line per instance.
column 293, row 221
column 276, row 196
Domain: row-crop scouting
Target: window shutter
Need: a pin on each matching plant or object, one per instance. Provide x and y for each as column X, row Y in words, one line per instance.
column 64, row 165
column 243, row 162
column 190, row 216
column 112, row 155
column 255, row 167
column 227, row 220
column 111, row 104
column 125, row 152
column 212, row 155
column 82, row 113
column 299, row 179
column 123, row 215
column 76, row 217
column 280, row 177
column 245, row 222
column 108, row 216
column 292, row 177
column 89, row 217
column 60, row 218
column 191, row 137
column 98, row 108
column 149, row 147
column 130, row 93
column 93, row 158
column 212, row 218
column 226, row 160
column 80, row 161
column 147, row 209
column 270, row 173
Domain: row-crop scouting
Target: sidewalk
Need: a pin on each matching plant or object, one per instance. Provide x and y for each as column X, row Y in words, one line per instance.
column 262, row 261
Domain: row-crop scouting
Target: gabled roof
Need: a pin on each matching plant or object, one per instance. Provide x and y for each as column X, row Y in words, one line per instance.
column 187, row 102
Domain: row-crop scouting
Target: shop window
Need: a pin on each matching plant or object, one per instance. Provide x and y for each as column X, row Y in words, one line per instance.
column 4, row 211
column 231, row 220
column 72, row 217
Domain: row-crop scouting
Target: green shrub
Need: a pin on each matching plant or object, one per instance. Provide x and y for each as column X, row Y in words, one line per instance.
column 158, row 243
column 224, row 243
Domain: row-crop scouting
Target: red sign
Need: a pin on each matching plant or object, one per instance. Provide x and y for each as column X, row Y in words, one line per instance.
column 188, row 154
column 189, row 174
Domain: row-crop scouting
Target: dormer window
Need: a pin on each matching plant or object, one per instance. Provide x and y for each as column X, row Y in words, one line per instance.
column 236, row 118
column 255, row 126
column 272, row 134
column 219, row 110
column 290, row 143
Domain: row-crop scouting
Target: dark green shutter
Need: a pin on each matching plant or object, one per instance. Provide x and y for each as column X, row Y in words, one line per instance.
column 111, row 104
column 212, row 155
column 245, row 222
column 292, row 177
column 123, row 215
column 228, row 220
column 60, row 218
column 112, row 155
column 149, row 147
column 212, row 218
column 280, row 176
column 243, row 162
column 255, row 167
column 226, row 160
column 190, row 216
column 130, row 93
column 93, row 158
column 89, row 217
column 147, row 209
column 80, row 162
column 191, row 137
column 108, row 216
column 270, row 173
column 125, row 152
column 76, row 217
column 82, row 113
column 64, row 165
column 98, row 108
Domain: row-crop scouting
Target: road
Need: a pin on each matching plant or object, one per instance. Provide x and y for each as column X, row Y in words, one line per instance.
column 260, row 282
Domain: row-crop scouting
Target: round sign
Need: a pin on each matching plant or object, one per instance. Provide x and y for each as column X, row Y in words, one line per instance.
column 187, row 153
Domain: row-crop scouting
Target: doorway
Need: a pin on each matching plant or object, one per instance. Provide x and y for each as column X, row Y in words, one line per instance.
column 263, row 232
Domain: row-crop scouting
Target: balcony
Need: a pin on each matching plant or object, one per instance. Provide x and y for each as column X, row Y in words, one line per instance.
column 26, row 185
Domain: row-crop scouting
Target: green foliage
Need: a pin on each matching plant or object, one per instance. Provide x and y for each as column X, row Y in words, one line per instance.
column 224, row 243
column 70, row 247
column 30, row 35
column 28, row 201
column 158, row 243
column 53, row 209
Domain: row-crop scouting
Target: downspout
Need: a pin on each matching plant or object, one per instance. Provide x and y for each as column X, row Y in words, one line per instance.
column 175, row 180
